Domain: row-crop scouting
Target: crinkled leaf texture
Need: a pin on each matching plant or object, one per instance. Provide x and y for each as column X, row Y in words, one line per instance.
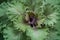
column 13, row 25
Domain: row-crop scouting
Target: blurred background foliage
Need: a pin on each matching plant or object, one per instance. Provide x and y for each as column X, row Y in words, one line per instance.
column 12, row 28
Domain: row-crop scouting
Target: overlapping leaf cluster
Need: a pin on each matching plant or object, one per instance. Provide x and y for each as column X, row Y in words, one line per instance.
column 11, row 19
